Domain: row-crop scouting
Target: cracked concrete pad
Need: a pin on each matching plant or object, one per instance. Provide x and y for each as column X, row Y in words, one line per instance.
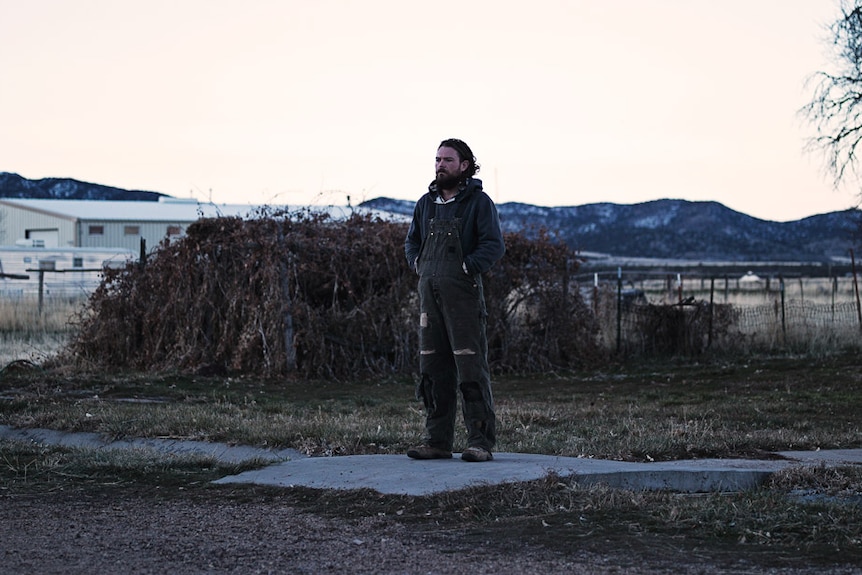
column 397, row 474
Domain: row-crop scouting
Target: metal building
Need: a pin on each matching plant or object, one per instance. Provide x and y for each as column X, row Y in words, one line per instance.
column 112, row 224
column 101, row 224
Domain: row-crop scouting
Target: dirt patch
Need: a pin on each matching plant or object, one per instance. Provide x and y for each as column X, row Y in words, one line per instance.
column 250, row 530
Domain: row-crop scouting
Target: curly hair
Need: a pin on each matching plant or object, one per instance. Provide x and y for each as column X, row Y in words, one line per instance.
column 464, row 153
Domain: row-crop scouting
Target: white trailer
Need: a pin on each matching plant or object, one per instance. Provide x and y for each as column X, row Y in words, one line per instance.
column 63, row 271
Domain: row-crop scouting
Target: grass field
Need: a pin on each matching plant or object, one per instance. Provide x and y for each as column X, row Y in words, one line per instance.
column 644, row 412
column 28, row 333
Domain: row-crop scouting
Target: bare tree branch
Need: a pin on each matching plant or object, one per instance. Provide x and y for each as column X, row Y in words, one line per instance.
column 835, row 110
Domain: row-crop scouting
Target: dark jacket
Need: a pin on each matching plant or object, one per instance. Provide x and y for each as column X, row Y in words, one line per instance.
column 481, row 235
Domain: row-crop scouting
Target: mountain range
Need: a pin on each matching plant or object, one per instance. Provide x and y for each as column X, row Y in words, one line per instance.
column 15, row 186
column 677, row 230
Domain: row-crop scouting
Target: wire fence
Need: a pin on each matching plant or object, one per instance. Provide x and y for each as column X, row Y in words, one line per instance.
column 64, row 283
column 640, row 313
column 752, row 319
column 677, row 315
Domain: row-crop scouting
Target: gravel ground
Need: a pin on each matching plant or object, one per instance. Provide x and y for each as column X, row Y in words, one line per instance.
column 137, row 533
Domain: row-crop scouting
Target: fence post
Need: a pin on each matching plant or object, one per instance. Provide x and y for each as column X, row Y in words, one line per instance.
column 783, row 318
column 41, row 289
column 711, row 311
column 834, row 292
column 619, row 308
column 142, row 259
column 856, row 288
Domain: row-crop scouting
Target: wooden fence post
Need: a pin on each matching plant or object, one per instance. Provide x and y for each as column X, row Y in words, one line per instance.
column 834, row 281
column 142, row 259
column 711, row 311
column 783, row 316
column 41, row 289
column 856, row 288
column 619, row 308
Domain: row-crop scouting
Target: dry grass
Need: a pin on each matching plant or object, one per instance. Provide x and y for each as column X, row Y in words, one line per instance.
column 661, row 410
column 21, row 315
column 28, row 334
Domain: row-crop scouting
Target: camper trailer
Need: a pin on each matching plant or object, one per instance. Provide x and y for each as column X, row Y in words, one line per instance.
column 62, row 271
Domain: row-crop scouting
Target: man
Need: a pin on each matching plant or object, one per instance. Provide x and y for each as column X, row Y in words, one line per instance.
column 454, row 237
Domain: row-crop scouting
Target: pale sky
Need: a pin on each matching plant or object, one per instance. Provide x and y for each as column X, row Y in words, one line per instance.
column 305, row 102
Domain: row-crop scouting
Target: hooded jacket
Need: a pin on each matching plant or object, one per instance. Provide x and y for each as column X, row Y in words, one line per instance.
column 481, row 234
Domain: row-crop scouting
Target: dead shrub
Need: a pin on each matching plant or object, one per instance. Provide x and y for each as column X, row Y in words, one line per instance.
column 682, row 328
column 303, row 294
column 538, row 320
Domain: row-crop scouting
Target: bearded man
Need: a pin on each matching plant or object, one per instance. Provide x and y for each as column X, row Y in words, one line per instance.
column 454, row 238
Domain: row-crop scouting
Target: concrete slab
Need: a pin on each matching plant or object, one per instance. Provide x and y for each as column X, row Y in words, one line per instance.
column 400, row 475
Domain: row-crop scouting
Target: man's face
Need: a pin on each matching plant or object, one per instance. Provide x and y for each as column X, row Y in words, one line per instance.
column 449, row 167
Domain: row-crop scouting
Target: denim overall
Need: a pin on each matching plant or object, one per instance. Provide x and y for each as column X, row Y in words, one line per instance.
column 452, row 342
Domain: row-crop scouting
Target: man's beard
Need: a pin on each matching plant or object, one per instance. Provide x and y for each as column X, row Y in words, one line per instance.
column 448, row 181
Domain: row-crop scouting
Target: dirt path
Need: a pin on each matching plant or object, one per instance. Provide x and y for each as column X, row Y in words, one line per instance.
column 141, row 533
column 147, row 535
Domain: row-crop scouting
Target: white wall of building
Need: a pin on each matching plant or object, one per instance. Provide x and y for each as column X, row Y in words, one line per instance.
column 126, row 234
column 18, row 223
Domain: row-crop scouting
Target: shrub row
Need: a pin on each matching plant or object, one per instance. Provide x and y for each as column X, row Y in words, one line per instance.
column 301, row 294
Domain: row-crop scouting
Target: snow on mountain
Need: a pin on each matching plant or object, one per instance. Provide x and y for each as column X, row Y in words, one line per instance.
column 680, row 229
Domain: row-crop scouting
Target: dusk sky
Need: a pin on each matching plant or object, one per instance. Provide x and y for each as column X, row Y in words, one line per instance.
column 307, row 102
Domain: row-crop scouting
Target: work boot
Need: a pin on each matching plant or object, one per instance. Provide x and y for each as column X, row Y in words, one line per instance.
column 476, row 454
column 428, row 452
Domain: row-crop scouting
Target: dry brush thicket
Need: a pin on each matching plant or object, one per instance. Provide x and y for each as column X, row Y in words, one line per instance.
column 282, row 294
column 688, row 328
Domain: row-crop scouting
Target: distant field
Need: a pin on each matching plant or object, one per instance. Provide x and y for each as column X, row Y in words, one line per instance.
column 25, row 333
column 751, row 292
